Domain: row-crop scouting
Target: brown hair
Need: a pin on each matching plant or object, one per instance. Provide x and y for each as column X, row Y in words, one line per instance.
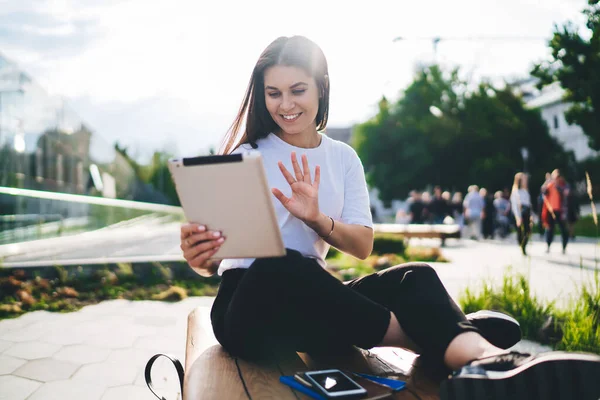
column 297, row 51
column 518, row 182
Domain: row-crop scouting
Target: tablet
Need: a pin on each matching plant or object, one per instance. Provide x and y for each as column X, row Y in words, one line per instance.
column 230, row 193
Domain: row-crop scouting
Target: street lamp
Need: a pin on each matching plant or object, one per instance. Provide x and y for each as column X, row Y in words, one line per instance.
column 525, row 155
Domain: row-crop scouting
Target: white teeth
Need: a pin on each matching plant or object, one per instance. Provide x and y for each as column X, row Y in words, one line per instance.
column 290, row 117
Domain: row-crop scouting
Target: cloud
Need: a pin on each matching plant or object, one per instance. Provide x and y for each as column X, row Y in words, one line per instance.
column 143, row 69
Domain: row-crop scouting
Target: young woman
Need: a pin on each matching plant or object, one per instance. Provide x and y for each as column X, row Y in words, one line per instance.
column 321, row 200
column 521, row 207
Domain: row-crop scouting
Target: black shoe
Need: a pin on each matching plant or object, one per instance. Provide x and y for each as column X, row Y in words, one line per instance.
column 517, row 376
column 498, row 328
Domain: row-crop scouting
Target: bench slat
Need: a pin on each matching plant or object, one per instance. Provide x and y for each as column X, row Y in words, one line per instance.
column 262, row 381
column 213, row 376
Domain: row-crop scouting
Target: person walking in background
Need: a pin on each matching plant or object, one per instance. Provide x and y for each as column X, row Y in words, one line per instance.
column 541, row 207
column 520, row 201
column 489, row 214
column 415, row 209
column 457, row 209
column 555, row 192
column 447, row 206
column 502, row 207
column 426, row 199
column 473, row 205
column 438, row 206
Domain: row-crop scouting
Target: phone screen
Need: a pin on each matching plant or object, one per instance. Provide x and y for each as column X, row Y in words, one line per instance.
column 334, row 381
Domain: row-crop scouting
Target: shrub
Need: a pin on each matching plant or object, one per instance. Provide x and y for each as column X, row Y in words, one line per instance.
column 387, row 243
column 585, row 227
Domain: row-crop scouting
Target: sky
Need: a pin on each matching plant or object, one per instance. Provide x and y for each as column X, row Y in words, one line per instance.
column 170, row 74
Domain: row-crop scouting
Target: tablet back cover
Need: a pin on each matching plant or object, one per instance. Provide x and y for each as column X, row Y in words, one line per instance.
column 230, row 194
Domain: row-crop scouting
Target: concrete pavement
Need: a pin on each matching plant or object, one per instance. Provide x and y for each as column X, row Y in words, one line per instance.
column 97, row 353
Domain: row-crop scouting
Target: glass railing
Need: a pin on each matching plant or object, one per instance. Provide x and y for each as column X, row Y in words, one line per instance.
column 38, row 226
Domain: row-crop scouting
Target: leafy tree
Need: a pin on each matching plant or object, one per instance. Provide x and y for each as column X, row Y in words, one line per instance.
column 575, row 63
column 154, row 183
column 438, row 133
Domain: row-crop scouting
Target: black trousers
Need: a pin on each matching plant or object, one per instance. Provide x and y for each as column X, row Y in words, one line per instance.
column 552, row 222
column 524, row 231
column 291, row 302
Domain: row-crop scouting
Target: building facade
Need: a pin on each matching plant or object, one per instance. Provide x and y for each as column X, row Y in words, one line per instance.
column 550, row 102
column 45, row 146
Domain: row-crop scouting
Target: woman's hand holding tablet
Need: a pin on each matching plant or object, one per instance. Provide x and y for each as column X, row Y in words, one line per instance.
column 198, row 245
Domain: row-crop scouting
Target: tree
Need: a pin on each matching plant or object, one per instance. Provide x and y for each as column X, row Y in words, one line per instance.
column 575, row 63
column 153, row 181
column 477, row 138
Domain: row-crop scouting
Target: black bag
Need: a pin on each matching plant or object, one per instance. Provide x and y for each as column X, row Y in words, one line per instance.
column 148, row 376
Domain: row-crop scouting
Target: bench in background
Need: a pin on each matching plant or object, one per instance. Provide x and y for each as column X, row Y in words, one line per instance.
column 440, row 231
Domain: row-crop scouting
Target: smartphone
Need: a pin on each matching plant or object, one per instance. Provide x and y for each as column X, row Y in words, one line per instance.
column 334, row 384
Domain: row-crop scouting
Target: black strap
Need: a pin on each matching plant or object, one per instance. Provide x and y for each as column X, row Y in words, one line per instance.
column 148, row 377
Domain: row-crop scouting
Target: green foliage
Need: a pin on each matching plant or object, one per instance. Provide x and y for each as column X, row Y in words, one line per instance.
column 424, row 254
column 581, row 329
column 62, row 273
column 156, row 173
column 513, row 297
column 585, row 227
column 388, row 243
column 575, row 63
column 477, row 139
column 70, row 292
column 579, row 323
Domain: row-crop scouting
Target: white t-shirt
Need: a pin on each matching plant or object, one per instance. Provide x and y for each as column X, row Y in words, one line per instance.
column 343, row 193
column 518, row 200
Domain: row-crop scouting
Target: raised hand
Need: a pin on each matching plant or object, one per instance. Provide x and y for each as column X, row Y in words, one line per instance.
column 304, row 201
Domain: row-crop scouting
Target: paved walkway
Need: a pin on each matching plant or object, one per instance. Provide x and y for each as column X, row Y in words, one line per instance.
column 100, row 351
column 96, row 353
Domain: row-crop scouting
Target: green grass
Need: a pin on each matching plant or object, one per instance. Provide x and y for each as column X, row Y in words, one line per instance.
column 585, row 227
column 579, row 323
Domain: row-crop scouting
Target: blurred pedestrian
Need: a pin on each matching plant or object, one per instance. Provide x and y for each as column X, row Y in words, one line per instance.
column 502, row 207
column 457, row 209
column 415, row 209
column 426, row 198
column 521, row 207
column 438, row 206
column 449, row 217
column 541, row 209
column 489, row 214
column 473, row 204
column 555, row 192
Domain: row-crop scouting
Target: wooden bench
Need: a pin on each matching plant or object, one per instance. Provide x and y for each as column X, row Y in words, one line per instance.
column 212, row 374
column 441, row 231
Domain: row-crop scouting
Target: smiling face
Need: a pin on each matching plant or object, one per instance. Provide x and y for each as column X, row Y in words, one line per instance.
column 292, row 99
